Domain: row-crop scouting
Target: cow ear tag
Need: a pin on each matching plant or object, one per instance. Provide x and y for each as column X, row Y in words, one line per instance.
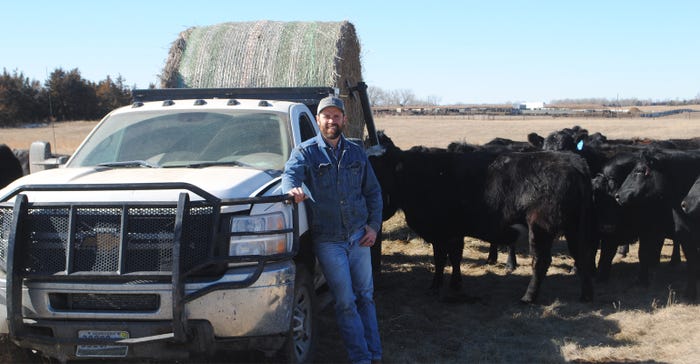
column 579, row 145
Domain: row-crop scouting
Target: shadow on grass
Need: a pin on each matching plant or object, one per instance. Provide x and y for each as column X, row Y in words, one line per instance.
column 417, row 327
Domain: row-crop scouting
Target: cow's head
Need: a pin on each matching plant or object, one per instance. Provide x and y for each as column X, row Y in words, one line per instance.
column 536, row 140
column 691, row 202
column 385, row 160
column 605, row 186
column 646, row 182
column 566, row 139
column 613, row 174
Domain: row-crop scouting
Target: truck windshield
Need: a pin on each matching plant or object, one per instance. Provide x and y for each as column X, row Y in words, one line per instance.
column 187, row 139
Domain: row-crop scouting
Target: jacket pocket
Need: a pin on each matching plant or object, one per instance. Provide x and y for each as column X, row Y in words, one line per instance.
column 354, row 174
column 322, row 175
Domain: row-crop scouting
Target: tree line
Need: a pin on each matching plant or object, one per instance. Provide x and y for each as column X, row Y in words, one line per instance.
column 65, row 95
column 625, row 102
column 403, row 97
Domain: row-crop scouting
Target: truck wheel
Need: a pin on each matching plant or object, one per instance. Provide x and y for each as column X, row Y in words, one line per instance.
column 302, row 337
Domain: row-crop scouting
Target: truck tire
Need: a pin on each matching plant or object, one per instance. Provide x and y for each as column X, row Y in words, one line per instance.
column 300, row 345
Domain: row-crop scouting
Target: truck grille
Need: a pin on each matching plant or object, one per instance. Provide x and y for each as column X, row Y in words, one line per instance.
column 111, row 239
column 104, row 302
column 5, row 225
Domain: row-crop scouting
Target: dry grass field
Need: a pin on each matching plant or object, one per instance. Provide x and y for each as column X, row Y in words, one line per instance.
column 625, row 323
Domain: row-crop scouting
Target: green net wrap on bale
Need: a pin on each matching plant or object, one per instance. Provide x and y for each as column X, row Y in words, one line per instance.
column 270, row 54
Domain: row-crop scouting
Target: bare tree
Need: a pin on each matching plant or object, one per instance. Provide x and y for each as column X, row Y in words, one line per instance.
column 406, row 97
column 377, row 96
column 432, row 100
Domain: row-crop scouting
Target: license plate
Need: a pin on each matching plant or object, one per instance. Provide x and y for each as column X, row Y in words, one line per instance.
column 102, row 351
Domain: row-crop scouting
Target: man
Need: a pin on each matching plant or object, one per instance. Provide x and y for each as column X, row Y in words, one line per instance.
column 346, row 214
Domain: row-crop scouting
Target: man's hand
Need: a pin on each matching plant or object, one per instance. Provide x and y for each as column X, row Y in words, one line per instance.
column 369, row 238
column 298, row 194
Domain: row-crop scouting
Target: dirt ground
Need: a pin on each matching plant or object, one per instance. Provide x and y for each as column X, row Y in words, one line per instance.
column 626, row 323
column 479, row 129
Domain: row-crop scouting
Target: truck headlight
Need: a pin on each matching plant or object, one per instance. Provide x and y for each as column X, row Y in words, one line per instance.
column 257, row 243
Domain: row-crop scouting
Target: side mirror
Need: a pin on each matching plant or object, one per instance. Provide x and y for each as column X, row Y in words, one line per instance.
column 41, row 158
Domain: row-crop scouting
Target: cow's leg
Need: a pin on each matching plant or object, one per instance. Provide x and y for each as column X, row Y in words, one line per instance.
column 582, row 248
column 541, row 251
column 688, row 240
column 512, row 261
column 440, row 258
column 607, row 254
column 521, row 237
column 456, row 247
column 690, row 250
column 376, row 253
column 493, row 254
column 573, row 247
column 675, row 254
column 649, row 244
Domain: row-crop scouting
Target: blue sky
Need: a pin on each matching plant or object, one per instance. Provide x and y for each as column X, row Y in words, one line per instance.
column 451, row 51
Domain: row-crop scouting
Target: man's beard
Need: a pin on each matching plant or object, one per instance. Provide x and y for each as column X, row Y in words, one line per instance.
column 332, row 133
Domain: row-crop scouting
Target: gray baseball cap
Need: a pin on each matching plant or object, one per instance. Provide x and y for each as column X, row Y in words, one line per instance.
column 330, row 101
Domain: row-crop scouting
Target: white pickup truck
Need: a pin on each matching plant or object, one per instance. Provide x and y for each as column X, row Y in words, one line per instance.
column 166, row 235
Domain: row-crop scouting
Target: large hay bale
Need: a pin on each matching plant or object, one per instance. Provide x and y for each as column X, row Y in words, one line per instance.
column 269, row 54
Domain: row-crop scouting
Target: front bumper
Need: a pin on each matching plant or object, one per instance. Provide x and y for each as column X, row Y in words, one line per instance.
column 220, row 317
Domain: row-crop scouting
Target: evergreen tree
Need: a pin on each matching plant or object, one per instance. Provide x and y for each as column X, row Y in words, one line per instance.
column 71, row 96
column 111, row 95
column 21, row 100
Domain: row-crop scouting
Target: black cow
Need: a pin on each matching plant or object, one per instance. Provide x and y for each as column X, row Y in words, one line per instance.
column 595, row 149
column 496, row 147
column 10, row 167
column 691, row 202
column 623, row 225
column 665, row 177
column 446, row 196
column 533, row 143
column 598, row 150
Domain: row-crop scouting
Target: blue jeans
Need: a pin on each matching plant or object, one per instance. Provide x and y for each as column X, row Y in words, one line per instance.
column 347, row 267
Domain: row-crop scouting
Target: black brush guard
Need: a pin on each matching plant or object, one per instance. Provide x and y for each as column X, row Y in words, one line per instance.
column 17, row 269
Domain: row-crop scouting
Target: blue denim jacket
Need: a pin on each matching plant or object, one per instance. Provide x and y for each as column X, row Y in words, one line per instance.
column 347, row 195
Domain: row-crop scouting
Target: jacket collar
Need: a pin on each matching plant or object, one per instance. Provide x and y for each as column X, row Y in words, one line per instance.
column 326, row 148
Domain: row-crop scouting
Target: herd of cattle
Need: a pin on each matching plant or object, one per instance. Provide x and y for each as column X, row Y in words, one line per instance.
column 595, row 192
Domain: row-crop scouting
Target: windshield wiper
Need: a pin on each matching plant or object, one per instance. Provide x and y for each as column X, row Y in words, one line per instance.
column 212, row 164
column 129, row 164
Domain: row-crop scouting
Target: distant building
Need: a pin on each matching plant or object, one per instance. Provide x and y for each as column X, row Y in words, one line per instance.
column 532, row 105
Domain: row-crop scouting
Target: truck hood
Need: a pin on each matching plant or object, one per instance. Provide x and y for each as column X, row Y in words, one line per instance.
column 221, row 181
